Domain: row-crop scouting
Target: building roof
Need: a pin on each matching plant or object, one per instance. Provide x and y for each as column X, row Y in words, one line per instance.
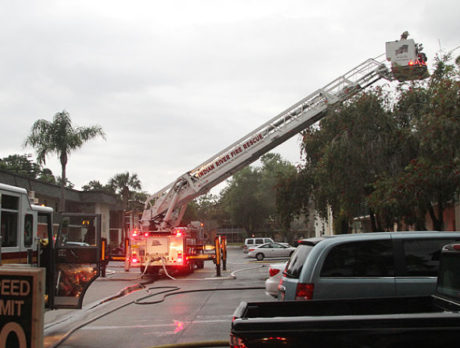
column 54, row 191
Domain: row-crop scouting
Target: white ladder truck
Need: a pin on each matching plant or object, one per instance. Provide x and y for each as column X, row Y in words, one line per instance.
column 158, row 245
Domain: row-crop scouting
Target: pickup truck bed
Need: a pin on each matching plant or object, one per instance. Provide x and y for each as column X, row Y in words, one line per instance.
column 380, row 322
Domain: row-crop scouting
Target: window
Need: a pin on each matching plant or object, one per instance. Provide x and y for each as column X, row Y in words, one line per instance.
column 295, row 263
column 28, row 229
column 10, row 202
column 421, row 256
column 9, row 220
column 360, row 259
column 249, row 242
column 259, row 241
column 449, row 277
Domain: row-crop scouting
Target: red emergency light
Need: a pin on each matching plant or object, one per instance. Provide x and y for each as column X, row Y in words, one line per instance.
column 178, row 232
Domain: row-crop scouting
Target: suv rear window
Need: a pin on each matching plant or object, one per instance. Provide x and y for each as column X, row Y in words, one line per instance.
column 295, row 264
column 360, row 259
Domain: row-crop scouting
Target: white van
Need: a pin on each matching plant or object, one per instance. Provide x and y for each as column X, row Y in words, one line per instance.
column 252, row 242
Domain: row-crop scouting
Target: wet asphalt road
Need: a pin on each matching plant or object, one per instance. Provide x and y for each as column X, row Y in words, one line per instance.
column 198, row 307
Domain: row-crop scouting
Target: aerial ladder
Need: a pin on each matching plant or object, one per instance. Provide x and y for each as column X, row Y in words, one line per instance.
column 164, row 209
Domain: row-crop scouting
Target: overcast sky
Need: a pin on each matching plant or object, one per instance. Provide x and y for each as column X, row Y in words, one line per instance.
column 174, row 82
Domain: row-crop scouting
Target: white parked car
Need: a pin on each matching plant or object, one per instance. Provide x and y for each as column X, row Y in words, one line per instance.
column 270, row 250
column 275, row 271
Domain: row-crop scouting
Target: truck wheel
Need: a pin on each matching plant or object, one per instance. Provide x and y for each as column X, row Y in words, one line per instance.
column 191, row 267
column 152, row 271
column 260, row 257
column 200, row 264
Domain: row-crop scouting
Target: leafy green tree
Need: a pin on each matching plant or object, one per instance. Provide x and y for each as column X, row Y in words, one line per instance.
column 46, row 175
column 240, row 199
column 67, row 183
column 430, row 179
column 209, row 208
column 249, row 199
column 95, row 185
column 273, row 169
column 345, row 155
column 140, row 196
column 61, row 138
column 191, row 213
column 206, row 208
column 396, row 163
column 124, row 184
column 293, row 194
column 20, row 164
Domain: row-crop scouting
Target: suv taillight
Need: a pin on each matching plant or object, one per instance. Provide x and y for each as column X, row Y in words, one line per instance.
column 304, row 291
column 273, row 271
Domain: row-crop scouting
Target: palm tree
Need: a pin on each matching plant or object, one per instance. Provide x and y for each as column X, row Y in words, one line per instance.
column 59, row 137
column 122, row 183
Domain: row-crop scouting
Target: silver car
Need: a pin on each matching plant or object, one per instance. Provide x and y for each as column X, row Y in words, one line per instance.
column 270, row 250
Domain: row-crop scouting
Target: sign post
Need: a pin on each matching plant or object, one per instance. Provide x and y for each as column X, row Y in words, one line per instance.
column 21, row 306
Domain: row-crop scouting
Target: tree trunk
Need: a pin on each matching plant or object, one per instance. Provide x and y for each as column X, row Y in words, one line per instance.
column 125, row 195
column 375, row 223
column 438, row 223
column 420, row 219
column 63, row 158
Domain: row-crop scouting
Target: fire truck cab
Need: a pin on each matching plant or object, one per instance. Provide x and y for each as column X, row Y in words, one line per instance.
column 70, row 250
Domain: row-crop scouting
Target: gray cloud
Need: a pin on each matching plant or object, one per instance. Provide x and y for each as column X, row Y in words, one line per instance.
column 173, row 83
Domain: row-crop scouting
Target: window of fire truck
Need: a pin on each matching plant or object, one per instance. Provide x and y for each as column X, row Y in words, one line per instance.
column 9, row 220
column 28, row 230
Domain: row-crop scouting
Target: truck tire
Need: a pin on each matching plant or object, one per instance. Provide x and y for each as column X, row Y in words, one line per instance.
column 191, row 267
column 260, row 257
column 150, row 270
